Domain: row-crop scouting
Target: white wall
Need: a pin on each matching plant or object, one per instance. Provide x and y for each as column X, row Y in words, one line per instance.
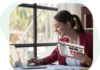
column 73, row 8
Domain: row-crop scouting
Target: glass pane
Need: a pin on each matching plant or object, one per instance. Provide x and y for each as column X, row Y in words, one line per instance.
column 21, row 25
column 24, row 53
column 30, row 3
column 45, row 28
column 45, row 51
column 48, row 4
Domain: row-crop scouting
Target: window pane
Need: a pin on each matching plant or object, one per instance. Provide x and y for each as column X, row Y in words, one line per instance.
column 48, row 4
column 24, row 53
column 21, row 25
column 30, row 3
column 45, row 51
column 45, row 27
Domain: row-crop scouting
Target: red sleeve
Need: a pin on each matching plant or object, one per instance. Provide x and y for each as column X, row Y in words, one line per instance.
column 51, row 58
column 91, row 55
column 91, row 52
column 91, row 49
column 92, row 46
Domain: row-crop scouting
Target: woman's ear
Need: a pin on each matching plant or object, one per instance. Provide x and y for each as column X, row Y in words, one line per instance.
column 68, row 24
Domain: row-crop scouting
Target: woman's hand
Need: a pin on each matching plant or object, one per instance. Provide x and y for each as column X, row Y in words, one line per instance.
column 35, row 60
column 84, row 58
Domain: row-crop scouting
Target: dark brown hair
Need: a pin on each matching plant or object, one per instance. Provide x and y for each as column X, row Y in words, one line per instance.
column 64, row 16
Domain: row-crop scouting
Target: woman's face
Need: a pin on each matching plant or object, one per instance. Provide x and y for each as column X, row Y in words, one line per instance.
column 60, row 28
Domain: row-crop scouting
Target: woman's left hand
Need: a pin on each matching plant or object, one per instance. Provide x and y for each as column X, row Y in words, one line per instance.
column 84, row 58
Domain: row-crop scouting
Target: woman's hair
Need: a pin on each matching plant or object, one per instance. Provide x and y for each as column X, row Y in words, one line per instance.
column 64, row 16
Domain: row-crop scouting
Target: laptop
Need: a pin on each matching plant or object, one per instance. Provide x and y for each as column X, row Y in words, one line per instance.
column 18, row 63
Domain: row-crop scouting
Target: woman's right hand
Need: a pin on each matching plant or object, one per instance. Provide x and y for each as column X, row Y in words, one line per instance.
column 36, row 61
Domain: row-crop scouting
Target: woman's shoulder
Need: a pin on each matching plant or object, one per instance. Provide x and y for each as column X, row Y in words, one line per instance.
column 88, row 34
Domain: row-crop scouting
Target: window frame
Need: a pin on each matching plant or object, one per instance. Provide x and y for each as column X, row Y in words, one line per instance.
column 35, row 44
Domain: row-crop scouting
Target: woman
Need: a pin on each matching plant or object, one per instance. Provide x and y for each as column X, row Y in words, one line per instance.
column 65, row 23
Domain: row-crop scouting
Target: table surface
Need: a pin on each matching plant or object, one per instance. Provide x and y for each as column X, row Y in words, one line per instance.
column 18, row 68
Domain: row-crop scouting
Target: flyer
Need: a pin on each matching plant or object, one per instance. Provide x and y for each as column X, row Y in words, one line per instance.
column 68, row 49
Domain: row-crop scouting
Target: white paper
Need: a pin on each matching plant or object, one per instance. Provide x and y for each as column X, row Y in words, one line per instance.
column 63, row 67
column 68, row 49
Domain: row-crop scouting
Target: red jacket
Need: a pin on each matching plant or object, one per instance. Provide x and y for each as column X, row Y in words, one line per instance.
column 86, row 40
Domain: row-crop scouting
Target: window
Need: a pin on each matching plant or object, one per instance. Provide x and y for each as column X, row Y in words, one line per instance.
column 45, row 51
column 25, row 53
column 21, row 25
column 45, row 28
column 31, row 30
column 48, row 4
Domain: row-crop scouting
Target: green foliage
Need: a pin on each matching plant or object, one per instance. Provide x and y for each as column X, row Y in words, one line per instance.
column 21, row 18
